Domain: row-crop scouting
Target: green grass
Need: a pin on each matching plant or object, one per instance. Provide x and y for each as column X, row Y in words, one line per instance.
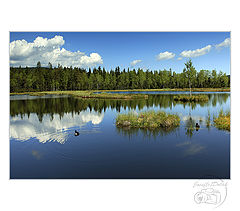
column 116, row 96
column 77, row 93
column 222, row 122
column 149, row 119
column 105, row 95
column 126, row 90
column 193, row 98
column 86, row 94
column 176, row 89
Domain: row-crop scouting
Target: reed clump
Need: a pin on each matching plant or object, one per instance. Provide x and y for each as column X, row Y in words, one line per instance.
column 193, row 98
column 222, row 122
column 149, row 120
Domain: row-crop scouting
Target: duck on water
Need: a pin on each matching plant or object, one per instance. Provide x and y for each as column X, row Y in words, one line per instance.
column 76, row 133
column 197, row 126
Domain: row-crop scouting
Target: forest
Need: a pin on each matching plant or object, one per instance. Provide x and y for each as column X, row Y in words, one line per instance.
column 26, row 79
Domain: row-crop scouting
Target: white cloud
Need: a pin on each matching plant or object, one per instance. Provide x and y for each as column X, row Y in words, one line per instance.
column 197, row 52
column 179, row 58
column 225, row 43
column 134, row 62
column 49, row 50
column 165, row 55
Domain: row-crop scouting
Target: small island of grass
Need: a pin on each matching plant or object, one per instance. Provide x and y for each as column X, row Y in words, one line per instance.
column 193, row 98
column 87, row 94
column 105, row 95
column 222, row 122
column 149, row 120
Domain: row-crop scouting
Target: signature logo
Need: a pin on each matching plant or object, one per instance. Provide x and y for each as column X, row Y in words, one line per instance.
column 213, row 193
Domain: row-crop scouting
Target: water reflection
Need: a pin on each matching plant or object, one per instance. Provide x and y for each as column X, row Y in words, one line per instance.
column 191, row 148
column 36, row 154
column 72, row 105
column 194, row 149
column 51, row 128
column 190, row 126
column 147, row 133
column 50, row 118
column 104, row 151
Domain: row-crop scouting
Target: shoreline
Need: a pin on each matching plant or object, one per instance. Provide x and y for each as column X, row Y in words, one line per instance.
column 91, row 92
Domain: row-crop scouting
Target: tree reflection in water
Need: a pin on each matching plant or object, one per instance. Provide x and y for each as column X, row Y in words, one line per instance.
column 60, row 106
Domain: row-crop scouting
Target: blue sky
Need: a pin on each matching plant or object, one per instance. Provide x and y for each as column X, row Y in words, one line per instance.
column 121, row 48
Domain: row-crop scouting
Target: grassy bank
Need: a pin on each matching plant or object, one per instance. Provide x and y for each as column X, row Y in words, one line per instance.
column 86, row 94
column 77, row 93
column 150, row 120
column 172, row 90
column 193, row 98
column 222, row 122
column 105, row 95
column 125, row 90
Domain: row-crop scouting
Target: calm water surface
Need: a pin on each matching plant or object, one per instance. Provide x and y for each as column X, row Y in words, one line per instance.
column 43, row 145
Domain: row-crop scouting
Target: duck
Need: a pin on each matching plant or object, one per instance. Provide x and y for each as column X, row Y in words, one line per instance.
column 76, row 133
column 197, row 125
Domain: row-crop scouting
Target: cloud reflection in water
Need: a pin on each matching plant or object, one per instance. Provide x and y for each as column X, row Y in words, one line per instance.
column 56, row 129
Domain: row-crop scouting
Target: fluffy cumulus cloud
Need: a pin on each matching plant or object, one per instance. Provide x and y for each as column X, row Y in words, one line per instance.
column 225, row 43
column 165, row 55
column 134, row 62
column 49, row 50
column 179, row 58
column 197, row 52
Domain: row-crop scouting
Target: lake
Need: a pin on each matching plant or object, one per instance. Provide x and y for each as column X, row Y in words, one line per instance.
column 43, row 145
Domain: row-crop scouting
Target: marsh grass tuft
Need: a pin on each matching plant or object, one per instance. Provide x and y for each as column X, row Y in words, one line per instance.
column 193, row 98
column 208, row 121
column 222, row 122
column 149, row 120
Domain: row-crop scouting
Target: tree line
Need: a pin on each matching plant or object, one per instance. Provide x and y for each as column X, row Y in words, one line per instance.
column 60, row 78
